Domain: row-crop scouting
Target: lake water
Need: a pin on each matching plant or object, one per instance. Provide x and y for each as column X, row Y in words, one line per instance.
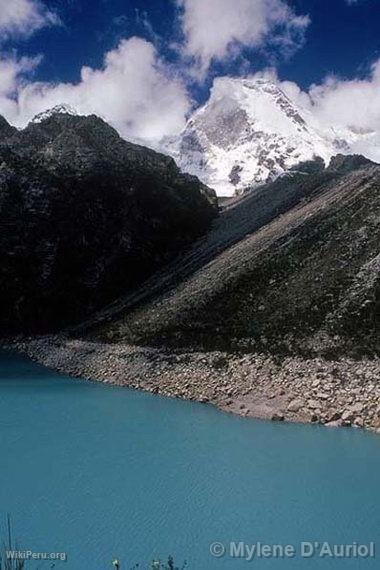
column 99, row 472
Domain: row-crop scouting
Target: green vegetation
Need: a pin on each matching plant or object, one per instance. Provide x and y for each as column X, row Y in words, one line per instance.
column 5, row 562
column 158, row 565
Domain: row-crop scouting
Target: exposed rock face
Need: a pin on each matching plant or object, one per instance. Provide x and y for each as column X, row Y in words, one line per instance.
column 84, row 216
column 293, row 267
column 248, row 133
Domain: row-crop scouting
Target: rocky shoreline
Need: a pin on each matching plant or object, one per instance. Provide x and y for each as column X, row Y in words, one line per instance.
column 343, row 392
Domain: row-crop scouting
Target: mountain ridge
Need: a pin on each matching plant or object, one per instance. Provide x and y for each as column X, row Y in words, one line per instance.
column 274, row 313
column 85, row 215
column 320, row 222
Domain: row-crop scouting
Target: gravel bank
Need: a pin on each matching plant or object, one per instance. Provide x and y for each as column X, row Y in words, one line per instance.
column 344, row 392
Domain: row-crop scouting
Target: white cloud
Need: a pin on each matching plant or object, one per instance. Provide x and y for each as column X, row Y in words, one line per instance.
column 23, row 17
column 134, row 91
column 350, row 107
column 11, row 73
column 213, row 29
column 346, row 105
column 146, row 99
column 349, row 102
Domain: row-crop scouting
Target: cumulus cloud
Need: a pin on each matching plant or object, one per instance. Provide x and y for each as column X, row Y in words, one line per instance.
column 351, row 107
column 134, row 90
column 13, row 73
column 146, row 99
column 23, row 17
column 346, row 109
column 214, row 29
column 349, row 102
column 352, row 104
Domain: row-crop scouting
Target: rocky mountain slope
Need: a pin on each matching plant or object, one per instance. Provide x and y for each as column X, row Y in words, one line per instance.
column 293, row 267
column 273, row 314
column 248, row 133
column 84, row 216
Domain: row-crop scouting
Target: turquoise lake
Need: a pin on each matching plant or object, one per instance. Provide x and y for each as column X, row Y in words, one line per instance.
column 100, row 472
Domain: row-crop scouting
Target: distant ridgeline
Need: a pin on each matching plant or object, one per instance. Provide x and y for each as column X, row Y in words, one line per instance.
column 84, row 217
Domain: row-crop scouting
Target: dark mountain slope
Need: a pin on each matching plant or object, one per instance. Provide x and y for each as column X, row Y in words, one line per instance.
column 6, row 130
column 305, row 279
column 85, row 215
column 240, row 216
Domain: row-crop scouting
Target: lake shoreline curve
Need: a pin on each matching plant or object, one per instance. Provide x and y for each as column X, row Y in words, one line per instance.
column 343, row 392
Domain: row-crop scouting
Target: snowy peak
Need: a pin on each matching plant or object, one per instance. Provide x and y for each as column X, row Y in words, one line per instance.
column 62, row 109
column 264, row 104
column 250, row 132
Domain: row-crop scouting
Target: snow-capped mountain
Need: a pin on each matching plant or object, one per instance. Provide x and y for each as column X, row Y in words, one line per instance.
column 249, row 132
column 63, row 109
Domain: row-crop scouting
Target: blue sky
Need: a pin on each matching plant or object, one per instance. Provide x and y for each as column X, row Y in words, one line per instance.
column 342, row 38
column 45, row 45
